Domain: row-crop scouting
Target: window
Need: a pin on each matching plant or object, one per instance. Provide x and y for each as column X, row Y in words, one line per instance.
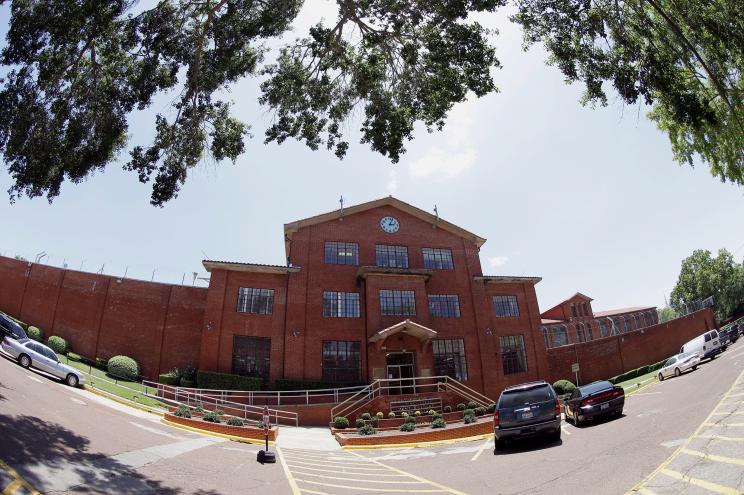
column 580, row 332
column 603, row 331
column 341, row 362
column 617, row 324
column 588, row 331
column 559, row 335
column 585, row 308
column 626, row 323
column 444, row 306
column 341, row 253
column 649, row 319
column 341, row 304
column 573, row 310
column 513, row 357
column 506, row 306
column 256, row 301
column 638, row 323
column 397, row 303
column 251, row 356
column 449, row 358
column 437, row 259
column 391, row 256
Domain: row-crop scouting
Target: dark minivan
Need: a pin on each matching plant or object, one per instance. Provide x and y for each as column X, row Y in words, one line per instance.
column 593, row 400
column 527, row 410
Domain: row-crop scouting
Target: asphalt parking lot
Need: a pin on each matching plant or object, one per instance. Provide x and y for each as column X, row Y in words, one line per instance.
column 683, row 435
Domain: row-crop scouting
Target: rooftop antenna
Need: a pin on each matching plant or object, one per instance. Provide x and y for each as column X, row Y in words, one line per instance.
column 436, row 221
column 341, row 213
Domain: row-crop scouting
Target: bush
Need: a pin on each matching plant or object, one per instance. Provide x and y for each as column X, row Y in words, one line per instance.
column 461, row 406
column 123, row 367
column 391, row 415
column 472, row 404
column 468, row 412
column 359, row 422
column 367, row 430
column 417, row 413
column 469, row 419
column 74, row 357
column 480, row 411
column 189, row 373
column 212, row 417
column 431, row 412
column 404, row 414
column 35, row 333
column 183, row 411
column 227, row 381
column 491, row 408
column 366, row 416
column 563, row 387
column 410, row 420
column 447, row 409
column 187, row 383
column 219, row 412
column 233, row 421
column 168, row 379
column 380, row 415
column 199, row 408
column 407, row 427
column 436, row 415
column 58, row 344
column 340, row 422
column 438, row 423
column 101, row 363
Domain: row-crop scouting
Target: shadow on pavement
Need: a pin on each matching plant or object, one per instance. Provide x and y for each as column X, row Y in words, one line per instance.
column 53, row 458
column 527, row 445
column 596, row 421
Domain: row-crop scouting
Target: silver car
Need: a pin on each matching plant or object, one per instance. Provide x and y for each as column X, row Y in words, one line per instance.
column 676, row 365
column 30, row 353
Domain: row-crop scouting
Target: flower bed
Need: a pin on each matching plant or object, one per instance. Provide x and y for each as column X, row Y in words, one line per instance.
column 483, row 426
column 394, row 423
column 247, row 432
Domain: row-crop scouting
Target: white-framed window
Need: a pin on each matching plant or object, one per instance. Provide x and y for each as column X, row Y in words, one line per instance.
column 340, row 304
column 255, row 301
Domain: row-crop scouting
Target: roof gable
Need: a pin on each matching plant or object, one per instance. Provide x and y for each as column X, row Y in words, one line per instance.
column 558, row 310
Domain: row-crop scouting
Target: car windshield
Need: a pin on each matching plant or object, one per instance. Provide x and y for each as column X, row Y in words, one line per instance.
column 595, row 387
column 515, row 398
column 671, row 362
column 684, row 355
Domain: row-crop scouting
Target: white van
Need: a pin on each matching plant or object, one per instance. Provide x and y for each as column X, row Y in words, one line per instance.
column 707, row 345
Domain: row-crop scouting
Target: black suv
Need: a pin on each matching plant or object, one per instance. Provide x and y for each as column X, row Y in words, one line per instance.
column 527, row 410
column 9, row 328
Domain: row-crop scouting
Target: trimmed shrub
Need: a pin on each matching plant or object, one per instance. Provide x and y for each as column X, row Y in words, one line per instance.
column 472, row 404
column 199, row 408
column 123, row 367
column 101, row 363
column 469, row 419
column 58, row 344
column 366, row 416
column 417, row 413
column 468, row 412
column 35, row 333
column 436, row 415
column 219, row 412
column 189, row 373
column 74, row 357
column 380, row 415
column 410, row 420
column 391, row 415
column 480, row 411
column 431, row 412
column 340, row 422
column 168, row 379
column 187, row 383
column 491, row 408
column 233, row 421
column 564, row 387
column 438, row 423
column 461, row 406
column 447, row 409
column 212, row 417
column 183, row 412
column 407, row 427
column 359, row 422
column 227, row 381
column 404, row 414
column 367, row 430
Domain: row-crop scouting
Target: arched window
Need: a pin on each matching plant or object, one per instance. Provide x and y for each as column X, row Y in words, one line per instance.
column 580, row 332
column 546, row 337
column 603, row 330
column 638, row 323
column 649, row 319
column 585, row 308
column 626, row 323
column 559, row 335
column 588, row 331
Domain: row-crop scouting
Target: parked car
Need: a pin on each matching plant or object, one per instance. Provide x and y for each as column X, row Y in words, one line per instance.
column 30, row 353
column 676, row 365
column 706, row 345
column 596, row 399
column 732, row 333
column 527, row 410
column 9, row 328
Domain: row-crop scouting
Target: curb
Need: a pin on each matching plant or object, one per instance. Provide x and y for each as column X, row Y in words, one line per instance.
column 655, row 382
column 102, row 393
column 418, row 445
column 251, row 441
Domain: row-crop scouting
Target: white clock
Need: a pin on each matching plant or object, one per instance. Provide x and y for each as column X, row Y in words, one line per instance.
column 390, row 225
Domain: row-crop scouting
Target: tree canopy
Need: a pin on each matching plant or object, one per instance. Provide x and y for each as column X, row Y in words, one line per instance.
column 703, row 275
column 76, row 69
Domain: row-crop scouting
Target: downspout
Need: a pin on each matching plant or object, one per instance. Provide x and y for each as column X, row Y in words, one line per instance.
column 366, row 335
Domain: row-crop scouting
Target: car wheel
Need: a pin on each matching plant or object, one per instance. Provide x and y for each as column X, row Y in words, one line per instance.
column 24, row 360
column 497, row 445
column 72, row 380
column 661, row 377
column 677, row 372
column 694, row 367
column 556, row 437
column 576, row 421
column 712, row 357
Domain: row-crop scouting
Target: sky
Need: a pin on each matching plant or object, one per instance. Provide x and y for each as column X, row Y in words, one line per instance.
column 589, row 199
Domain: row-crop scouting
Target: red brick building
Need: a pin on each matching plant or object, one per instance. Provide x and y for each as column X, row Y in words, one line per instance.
column 377, row 290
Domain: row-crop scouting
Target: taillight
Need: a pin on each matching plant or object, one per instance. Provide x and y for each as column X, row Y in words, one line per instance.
column 557, row 408
column 496, row 417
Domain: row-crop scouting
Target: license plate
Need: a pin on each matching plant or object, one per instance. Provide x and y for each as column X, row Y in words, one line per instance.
column 604, row 406
column 527, row 415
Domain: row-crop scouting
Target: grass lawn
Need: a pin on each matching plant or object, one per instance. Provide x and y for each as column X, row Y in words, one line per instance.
column 630, row 385
column 99, row 379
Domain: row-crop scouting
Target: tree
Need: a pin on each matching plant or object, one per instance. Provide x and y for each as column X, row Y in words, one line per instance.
column 78, row 68
column 702, row 276
column 667, row 313
column 685, row 58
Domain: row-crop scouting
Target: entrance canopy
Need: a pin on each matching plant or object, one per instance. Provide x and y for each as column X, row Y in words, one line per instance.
column 409, row 327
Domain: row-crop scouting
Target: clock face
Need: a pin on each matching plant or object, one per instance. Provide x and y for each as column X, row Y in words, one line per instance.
column 389, row 224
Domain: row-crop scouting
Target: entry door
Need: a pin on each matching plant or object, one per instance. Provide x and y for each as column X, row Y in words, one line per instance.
column 400, row 370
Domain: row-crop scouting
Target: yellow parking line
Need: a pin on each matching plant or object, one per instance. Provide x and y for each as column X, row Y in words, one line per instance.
column 345, row 471
column 291, row 461
column 11, row 489
column 713, row 457
column 387, row 490
column 736, row 395
column 646, row 491
column 481, row 449
column 708, row 485
column 17, row 483
column 313, row 492
column 318, row 460
column 721, row 437
column 397, row 482
column 287, row 472
column 642, row 388
column 723, row 424
column 729, row 413
column 565, row 430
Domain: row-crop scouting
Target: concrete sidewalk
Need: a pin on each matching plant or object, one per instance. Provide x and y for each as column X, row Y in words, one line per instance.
column 312, row 438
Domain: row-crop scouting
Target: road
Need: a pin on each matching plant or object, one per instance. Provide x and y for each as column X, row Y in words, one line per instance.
column 61, row 440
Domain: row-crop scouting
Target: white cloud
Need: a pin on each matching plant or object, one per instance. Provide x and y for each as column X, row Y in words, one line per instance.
column 392, row 184
column 497, row 261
